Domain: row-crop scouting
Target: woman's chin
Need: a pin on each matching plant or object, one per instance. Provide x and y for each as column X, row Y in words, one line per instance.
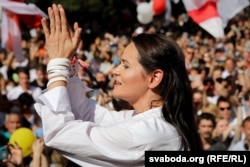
column 117, row 95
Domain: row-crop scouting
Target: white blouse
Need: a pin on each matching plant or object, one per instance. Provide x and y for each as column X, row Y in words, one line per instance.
column 90, row 135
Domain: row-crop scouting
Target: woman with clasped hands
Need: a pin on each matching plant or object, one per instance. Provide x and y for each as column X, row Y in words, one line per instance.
column 151, row 77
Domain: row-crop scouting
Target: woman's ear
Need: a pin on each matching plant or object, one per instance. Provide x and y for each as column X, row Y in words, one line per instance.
column 155, row 78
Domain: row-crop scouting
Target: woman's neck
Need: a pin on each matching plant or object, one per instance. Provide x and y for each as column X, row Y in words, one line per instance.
column 142, row 108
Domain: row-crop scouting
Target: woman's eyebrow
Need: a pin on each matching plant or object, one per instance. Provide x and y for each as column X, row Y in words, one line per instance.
column 124, row 61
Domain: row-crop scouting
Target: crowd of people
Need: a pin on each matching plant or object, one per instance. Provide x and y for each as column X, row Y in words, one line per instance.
column 218, row 71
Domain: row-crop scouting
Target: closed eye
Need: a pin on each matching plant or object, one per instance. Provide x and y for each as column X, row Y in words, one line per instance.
column 124, row 63
column 125, row 66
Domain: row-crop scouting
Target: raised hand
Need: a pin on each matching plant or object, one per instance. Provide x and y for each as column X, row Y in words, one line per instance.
column 61, row 42
column 15, row 155
column 38, row 146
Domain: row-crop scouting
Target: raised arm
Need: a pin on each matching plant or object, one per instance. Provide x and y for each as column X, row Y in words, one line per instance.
column 61, row 43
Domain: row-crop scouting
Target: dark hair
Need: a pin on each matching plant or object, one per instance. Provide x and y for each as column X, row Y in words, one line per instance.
column 3, row 51
column 26, row 99
column 159, row 52
column 220, row 68
column 206, row 116
column 247, row 95
column 24, row 70
column 222, row 99
column 208, row 80
column 247, row 119
column 41, row 67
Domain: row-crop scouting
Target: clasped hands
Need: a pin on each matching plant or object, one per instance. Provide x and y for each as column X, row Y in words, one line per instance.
column 61, row 41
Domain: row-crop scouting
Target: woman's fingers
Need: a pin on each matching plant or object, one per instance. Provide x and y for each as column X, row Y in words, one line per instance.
column 52, row 21
column 57, row 19
column 64, row 22
column 45, row 28
column 77, row 35
column 76, row 26
column 61, row 41
column 17, row 145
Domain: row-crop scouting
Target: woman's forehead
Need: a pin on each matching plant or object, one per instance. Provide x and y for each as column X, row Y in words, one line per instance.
column 130, row 52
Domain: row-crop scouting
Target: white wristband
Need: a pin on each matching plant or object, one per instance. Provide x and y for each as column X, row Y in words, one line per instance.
column 60, row 69
column 59, row 61
column 58, row 78
column 56, row 72
column 58, row 66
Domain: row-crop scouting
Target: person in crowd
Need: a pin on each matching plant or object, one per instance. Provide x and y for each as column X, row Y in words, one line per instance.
column 30, row 118
column 189, row 55
column 224, row 87
column 230, row 69
column 246, row 103
column 106, row 64
column 223, row 132
column 221, row 126
column 216, row 72
column 4, row 61
column 97, row 53
column 209, row 90
column 151, row 77
column 244, row 64
column 234, row 114
column 36, row 47
column 198, row 101
column 40, row 55
column 208, row 60
column 243, row 145
column 41, row 79
column 39, row 159
column 225, row 110
column 2, row 86
column 15, row 157
column 4, row 102
column 102, row 90
column 206, row 124
column 195, row 78
column 23, row 86
column 219, row 55
column 13, row 121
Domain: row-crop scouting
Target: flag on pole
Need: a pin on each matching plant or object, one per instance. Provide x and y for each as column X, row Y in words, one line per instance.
column 213, row 15
column 12, row 13
column 205, row 13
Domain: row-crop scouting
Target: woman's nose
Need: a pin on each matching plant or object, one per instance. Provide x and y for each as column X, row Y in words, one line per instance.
column 115, row 71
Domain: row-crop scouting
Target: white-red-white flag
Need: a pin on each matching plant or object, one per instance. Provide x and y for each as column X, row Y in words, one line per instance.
column 229, row 8
column 213, row 15
column 205, row 13
column 12, row 13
